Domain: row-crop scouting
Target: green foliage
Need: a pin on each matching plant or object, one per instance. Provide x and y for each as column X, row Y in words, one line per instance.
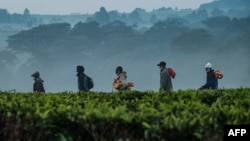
column 108, row 40
column 101, row 16
column 217, row 22
column 25, row 18
column 181, row 115
column 192, row 41
column 35, row 39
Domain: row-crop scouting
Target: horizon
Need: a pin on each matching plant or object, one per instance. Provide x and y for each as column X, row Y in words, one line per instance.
column 91, row 6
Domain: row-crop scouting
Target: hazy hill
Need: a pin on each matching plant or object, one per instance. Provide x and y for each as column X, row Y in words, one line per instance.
column 227, row 4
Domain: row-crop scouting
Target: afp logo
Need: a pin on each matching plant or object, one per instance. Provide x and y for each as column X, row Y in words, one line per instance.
column 241, row 132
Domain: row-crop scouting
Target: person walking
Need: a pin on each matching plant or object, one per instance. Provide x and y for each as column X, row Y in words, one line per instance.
column 120, row 82
column 165, row 78
column 211, row 81
column 38, row 83
column 82, row 79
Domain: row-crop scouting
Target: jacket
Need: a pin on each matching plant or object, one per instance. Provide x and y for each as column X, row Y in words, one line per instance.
column 82, row 82
column 165, row 80
column 211, row 82
column 38, row 85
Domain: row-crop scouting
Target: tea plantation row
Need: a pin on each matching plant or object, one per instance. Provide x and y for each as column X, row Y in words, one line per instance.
column 188, row 115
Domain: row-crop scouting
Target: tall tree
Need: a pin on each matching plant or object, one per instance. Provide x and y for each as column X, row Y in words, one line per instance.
column 163, row 31
column 37, row 39
column 5, row 17
column 135, row 17
column 90, row 30
column 153, row 19
column 217, row 12
column 101, row 16
column 26, row 12
column 113, row 16
column 27, row 18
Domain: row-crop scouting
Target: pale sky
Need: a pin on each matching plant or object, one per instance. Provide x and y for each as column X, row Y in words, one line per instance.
column 91, row 6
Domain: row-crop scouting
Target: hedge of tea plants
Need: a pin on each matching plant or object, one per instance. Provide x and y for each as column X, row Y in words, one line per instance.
column 183, row 115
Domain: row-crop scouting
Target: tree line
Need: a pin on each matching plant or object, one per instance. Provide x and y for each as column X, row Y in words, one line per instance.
column 173, row 33
column 138, row 16
column 16, row 18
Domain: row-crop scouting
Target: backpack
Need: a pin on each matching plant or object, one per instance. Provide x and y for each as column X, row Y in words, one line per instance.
column 90, row 82
column 172, row 72
column 218, row 74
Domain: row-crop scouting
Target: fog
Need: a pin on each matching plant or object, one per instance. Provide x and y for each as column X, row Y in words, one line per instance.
column 141, row 69
column 185, row 39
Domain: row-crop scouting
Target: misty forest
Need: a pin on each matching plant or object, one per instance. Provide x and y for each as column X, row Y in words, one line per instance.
column 217, row 32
